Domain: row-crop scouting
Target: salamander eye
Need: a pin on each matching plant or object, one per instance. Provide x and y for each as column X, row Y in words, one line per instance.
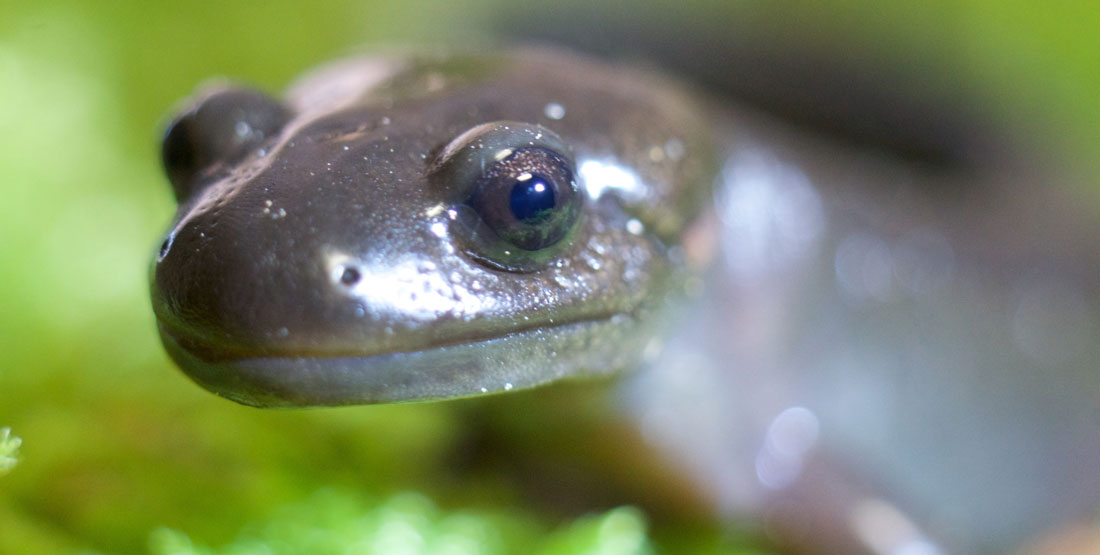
column 515, row 191
column 528, row 198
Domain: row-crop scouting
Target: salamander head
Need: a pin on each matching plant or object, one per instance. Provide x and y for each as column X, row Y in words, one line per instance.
column 425, row 227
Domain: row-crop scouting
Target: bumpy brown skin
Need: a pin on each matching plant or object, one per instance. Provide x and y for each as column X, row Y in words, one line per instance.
column 248, row 291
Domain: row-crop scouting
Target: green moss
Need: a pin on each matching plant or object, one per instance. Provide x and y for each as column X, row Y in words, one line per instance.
column 9, row 450
column 341, row 522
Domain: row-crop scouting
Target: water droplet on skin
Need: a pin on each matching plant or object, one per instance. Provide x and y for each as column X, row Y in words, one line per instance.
column 592, row 262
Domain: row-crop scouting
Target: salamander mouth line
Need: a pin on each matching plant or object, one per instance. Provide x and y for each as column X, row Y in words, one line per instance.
column 230, row 355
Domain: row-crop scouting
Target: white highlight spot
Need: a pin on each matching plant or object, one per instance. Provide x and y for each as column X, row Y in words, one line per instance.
column 242, row 129
column 439, row 230
column 656, row 154
column 275, row 213
column 554, row 110
column 772, row 215
column 407, row 286
column 599, row 177
column 674, row 149
column 635, row 227
column 791, row 435
column 886, row 531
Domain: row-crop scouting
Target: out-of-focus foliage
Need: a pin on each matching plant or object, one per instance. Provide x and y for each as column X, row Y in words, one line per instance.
column 120, row 443
column 9, row 450
column 1035, row 64
column 335, row 522
column 340, row 522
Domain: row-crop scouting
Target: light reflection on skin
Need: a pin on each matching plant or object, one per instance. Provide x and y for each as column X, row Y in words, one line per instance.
column 790, row 437
column 772, row 210
column 887, row 531
column 408, row 287
column 600, row 176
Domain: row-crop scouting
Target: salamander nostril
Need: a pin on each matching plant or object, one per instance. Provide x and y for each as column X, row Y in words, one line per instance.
column 350, row 276
column 167, row 244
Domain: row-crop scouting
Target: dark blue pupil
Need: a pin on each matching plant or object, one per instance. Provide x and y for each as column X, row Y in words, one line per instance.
column 532, row 200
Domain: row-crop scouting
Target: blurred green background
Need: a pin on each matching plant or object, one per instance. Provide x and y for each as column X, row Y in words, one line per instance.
column 118, row 444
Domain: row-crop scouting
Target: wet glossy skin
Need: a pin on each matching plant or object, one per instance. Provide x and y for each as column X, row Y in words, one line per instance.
column 323, row 253
column 874, row 342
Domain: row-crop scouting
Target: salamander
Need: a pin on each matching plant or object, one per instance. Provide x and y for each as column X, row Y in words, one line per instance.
column 428, row 226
